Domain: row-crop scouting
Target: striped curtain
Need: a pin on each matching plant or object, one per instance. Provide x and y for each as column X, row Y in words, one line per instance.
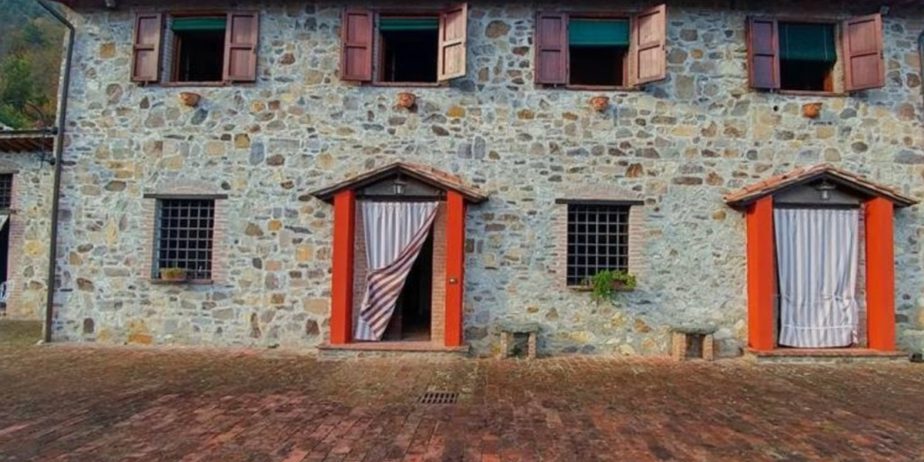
column 395, row 232
column 816, row 253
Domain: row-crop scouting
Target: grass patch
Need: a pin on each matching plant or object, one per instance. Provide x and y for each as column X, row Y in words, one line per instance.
column 19, row 333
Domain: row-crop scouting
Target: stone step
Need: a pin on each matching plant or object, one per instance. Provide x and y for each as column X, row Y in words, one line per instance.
column 425, row 350
column 824, row 355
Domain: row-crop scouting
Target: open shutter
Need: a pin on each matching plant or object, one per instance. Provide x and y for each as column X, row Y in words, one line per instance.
column 764, row 53
column 241, row 34
column 451, row 60
column 863, row 60
column 356, row 45
column 551, row 48
column 146, row 47
column 649, row 36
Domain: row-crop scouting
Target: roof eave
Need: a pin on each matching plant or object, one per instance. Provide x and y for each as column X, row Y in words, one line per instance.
column 899, row 200
column 327, row 194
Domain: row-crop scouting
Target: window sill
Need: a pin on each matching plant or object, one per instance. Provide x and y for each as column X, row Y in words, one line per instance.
column 410, row 84
column 590, row 289
column 194, row 84
column 601, row 88
column 811, row 93
column 590, row 88
column 191, row 282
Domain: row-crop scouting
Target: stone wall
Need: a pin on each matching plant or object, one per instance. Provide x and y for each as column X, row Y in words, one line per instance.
column 29, row 222
column 679, row 145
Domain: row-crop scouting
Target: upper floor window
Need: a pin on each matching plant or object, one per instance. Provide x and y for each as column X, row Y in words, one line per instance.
column 601, row 50
column 804, row 55
column 195, row 48
column 198, row 48
column 410, row 48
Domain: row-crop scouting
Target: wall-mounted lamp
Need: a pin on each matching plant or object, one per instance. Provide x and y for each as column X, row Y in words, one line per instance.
column 400, row 187
column 825, row 189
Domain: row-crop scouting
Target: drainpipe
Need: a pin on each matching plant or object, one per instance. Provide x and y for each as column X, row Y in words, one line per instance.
column 63, row 91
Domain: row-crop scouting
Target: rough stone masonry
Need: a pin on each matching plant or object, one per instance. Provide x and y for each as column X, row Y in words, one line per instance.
column 679, row 145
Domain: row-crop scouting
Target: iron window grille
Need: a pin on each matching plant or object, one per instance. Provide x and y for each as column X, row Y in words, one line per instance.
column 598, row 240
column 185, row 232
column 6, row 191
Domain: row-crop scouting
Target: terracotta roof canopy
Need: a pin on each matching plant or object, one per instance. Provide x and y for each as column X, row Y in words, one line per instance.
column 850, row 181
column 26, row 141
column 428, row 175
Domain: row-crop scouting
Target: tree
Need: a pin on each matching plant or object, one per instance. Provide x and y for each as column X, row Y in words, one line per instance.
column 29, row 65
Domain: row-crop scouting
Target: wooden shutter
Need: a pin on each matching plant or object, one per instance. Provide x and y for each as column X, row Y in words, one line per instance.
column 649, row 36
column 863, row 53
column 451, row 59
column 551, row 48
column 146, row 47
column 356, row 35
column 241, row 35
column 763, row 53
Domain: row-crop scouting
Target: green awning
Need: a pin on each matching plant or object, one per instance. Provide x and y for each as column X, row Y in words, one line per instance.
column 598, row 32
column 198, row 24
column 407, row 24
column 807, row 42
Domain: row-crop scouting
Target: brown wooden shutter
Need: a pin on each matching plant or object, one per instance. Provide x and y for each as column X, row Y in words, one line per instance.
column 451, row 59
column 551, row 48
column 763, row 53
column 649, row 36
column 241, row 36
column 863, row 53
column 356, row 35
column 146, row 47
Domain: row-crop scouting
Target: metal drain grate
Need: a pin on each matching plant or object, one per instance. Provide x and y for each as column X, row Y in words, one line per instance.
column 438, row 397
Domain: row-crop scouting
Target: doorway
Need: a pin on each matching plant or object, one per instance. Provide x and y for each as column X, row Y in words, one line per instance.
column 817, row 265
column 412, row 318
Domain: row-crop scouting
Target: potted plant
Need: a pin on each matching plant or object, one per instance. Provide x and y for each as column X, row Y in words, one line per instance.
column 173, row 274
column 606, row 283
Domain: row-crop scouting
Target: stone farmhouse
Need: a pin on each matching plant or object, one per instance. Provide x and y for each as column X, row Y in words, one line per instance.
column 419, row 176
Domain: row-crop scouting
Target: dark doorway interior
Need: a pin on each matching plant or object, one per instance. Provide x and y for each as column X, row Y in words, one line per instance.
column 597, row 66
column 411, row 321
column 200, row 56
column 409, row 56
column 4, row 250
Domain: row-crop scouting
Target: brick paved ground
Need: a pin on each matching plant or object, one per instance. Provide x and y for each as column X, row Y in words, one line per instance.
column 101, row 404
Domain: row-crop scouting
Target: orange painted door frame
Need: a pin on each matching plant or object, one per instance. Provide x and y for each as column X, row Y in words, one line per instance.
column 341, row 310
column 455, row 267
column 880, row 274
column 761, row 267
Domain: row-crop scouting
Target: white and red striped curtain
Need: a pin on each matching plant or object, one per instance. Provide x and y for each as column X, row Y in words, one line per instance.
column 816, row 251
column 394, row 232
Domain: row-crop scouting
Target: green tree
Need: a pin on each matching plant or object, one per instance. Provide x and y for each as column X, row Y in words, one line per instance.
column 30, row 57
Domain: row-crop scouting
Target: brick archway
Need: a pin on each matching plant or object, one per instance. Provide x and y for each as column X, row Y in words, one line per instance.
column 878, row 205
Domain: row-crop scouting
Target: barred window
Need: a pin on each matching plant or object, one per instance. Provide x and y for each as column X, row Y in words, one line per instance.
column 184, row 233
column 598, row 240
column 6, row 191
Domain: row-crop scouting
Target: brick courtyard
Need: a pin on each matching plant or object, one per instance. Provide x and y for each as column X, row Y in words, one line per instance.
column 102, row 404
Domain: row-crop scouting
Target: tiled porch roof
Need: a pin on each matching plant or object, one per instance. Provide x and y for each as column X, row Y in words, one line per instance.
column 424, row 173
column 26, row 141
column 751, row 193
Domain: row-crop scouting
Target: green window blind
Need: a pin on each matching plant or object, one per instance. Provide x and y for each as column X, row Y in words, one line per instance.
column 198, row 24
column 408, row 24
column 598, row 32
column 807, row 42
